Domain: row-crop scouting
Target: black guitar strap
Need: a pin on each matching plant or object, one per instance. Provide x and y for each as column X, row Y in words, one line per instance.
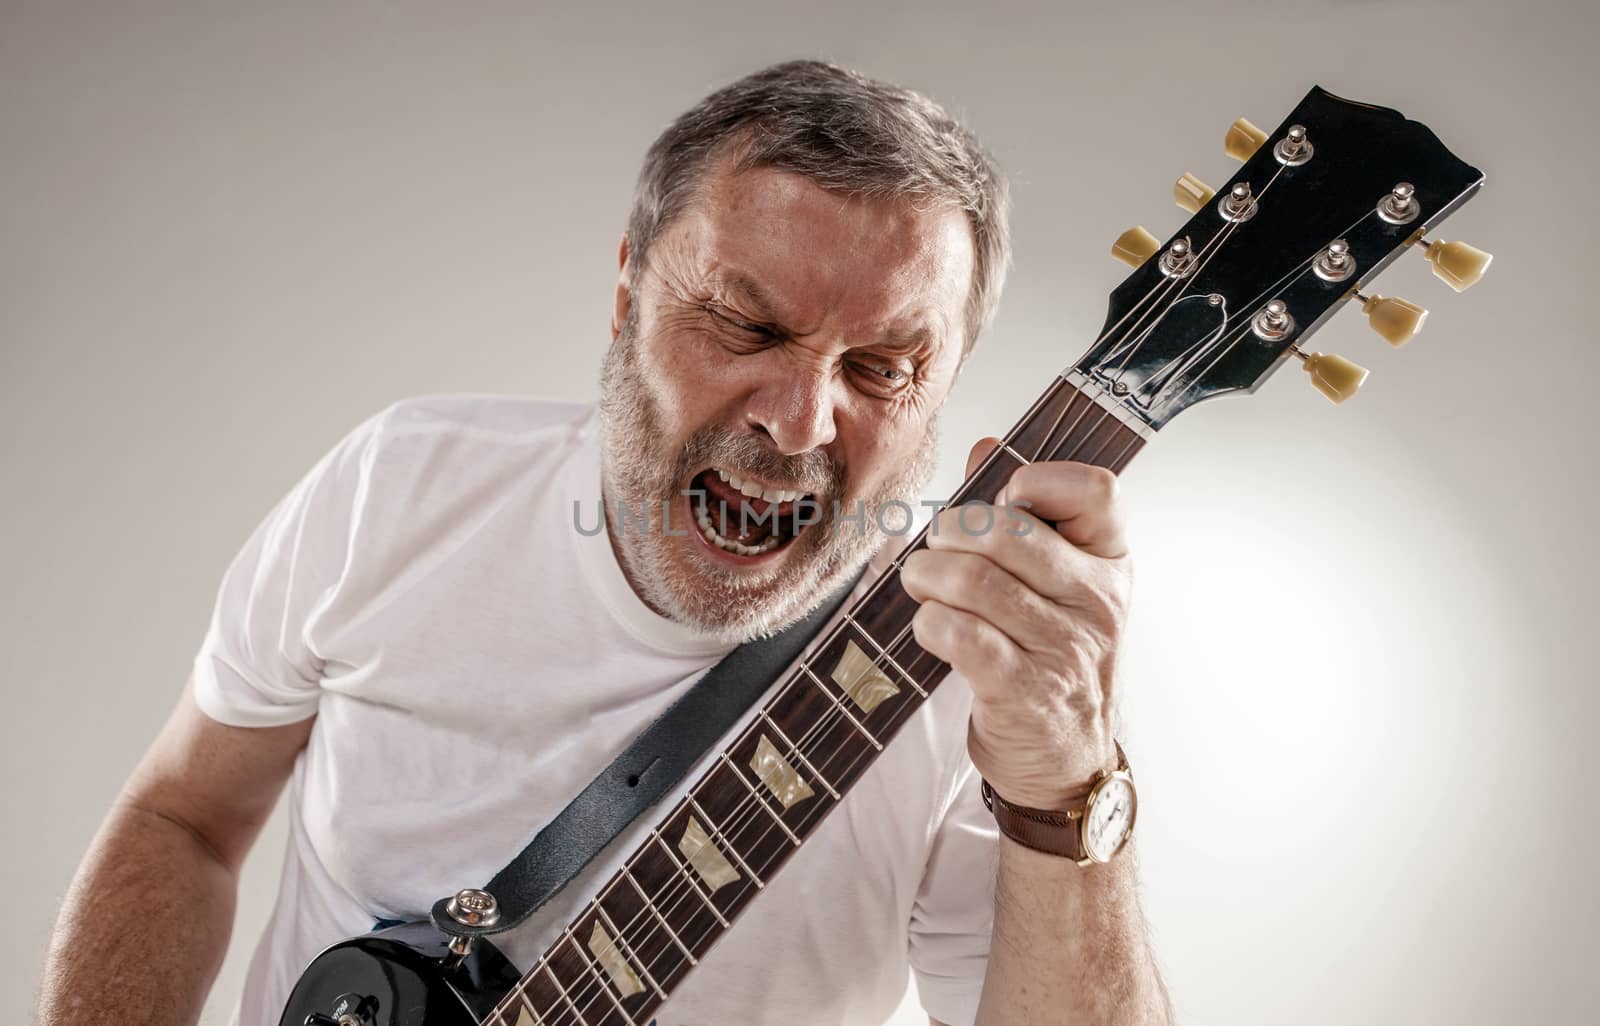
column 656, row 761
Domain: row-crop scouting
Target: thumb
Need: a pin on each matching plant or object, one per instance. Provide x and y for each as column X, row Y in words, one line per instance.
column 980, row 452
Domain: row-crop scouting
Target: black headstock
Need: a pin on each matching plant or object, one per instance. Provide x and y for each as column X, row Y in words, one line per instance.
column 1186, row 326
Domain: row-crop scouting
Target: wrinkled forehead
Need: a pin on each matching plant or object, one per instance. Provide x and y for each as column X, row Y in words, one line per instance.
column 828, row 262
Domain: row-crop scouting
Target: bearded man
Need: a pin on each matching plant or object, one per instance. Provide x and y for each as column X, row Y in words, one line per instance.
column 436, row 655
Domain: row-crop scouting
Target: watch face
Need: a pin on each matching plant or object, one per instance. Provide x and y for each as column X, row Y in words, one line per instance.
column 1109, row 819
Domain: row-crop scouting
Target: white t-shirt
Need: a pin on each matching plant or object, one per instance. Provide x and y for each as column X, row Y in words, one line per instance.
column 474, row 660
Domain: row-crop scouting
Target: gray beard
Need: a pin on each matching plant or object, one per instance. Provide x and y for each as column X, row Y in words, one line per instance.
column 640, row 472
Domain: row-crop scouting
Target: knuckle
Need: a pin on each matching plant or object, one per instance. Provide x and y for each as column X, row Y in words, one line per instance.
column 1101, row 485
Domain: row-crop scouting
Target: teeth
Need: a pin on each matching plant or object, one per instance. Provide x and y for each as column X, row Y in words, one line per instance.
column 755, row 491
column 730, row 545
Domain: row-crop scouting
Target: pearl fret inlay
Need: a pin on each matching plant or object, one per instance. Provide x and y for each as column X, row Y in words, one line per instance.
column 709, row 863
column 611, row 960
column 780, row 777
column 866, row 685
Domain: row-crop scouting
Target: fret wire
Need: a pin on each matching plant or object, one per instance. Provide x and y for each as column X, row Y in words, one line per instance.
column 885, row 655
column 660, row 918
column 760, row 799
column 538, row 1020
column 684, row 872
column 716, row 832
column 563, row 992
column 840, row 706
column 1005, row 447
column 628, row 951
column 588, row 963
column 800, row 755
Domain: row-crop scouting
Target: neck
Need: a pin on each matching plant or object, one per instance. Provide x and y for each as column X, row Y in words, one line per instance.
column 739, row 823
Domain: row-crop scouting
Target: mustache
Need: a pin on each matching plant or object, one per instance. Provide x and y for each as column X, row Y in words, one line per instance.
column 811, row 471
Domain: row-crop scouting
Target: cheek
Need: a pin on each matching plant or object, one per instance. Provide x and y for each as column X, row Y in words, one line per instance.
column 884, row 441
column 689, row 376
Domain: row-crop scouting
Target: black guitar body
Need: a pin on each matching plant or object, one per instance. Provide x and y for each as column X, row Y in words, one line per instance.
column 400, row 976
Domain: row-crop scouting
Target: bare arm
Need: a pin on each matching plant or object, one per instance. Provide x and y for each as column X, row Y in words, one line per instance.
column 1069, row 945
column 146, row 921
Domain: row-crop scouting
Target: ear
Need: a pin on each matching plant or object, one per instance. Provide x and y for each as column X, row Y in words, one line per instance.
column 619, row 309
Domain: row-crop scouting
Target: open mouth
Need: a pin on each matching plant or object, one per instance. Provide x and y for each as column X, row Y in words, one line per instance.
column 746, row 517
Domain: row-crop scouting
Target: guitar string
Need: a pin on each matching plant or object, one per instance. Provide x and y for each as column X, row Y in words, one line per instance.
column 748, row 807
column 1203, row 258
column 1293, row 274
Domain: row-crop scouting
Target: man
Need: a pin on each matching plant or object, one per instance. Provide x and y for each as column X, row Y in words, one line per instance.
column 427, row 644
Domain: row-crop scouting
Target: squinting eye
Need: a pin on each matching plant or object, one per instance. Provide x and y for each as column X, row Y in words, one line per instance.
column 882, row 379
column 734, row 322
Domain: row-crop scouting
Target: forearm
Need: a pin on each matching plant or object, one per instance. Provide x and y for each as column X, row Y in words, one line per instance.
column 1069, row 946
column 143, row 928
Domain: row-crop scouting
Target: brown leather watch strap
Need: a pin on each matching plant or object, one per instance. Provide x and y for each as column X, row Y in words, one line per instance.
column 1053, row 831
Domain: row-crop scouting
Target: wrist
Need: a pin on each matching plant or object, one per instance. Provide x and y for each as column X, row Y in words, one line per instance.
column 1064, row 783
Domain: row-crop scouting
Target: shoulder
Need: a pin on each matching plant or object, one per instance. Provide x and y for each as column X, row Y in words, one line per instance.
column 448, row 439
column 480, row 416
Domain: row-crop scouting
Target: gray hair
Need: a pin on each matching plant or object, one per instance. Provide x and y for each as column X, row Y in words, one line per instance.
column 847, row 133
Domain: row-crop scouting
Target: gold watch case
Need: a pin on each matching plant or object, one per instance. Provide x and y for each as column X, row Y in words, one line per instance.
column 1113, row 780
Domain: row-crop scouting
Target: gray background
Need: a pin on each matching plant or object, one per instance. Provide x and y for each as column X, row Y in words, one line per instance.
column 1358, row 689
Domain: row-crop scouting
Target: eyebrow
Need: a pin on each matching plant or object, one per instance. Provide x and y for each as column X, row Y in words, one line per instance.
column 763, row 306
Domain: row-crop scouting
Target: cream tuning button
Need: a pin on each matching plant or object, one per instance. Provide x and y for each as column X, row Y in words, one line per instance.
column 1332, row 375
column 1242, row 140
column 1457, row 264
column 1134, row 246
column 1192, row 194
column 1396, row 320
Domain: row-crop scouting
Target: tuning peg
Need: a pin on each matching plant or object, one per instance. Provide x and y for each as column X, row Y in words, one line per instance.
column 1332, row 375
column 1456, row 264
column 1134, row 246
column 1191, row 193
column 1242, row 140
column 1396, row 320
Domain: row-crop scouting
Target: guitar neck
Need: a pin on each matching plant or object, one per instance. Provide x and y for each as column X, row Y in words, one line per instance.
column 740, row 822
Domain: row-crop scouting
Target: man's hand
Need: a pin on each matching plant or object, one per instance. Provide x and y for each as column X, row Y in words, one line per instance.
column 1031, row 611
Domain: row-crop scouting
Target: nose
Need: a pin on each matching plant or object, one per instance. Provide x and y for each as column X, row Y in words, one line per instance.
column 795, row 410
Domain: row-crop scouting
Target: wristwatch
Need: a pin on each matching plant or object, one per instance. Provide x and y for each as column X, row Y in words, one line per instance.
column 1092, row 828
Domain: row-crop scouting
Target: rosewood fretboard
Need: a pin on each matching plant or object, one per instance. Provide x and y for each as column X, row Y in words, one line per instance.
column 738, row 824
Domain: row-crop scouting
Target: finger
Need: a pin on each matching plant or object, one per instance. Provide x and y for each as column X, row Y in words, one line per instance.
column 980, row 452
column 1027, row 548
column 977, row 649
column 977, row 585
column 1078, row 498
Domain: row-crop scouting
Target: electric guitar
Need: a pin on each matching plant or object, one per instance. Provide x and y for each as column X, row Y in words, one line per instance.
column 1320, row 206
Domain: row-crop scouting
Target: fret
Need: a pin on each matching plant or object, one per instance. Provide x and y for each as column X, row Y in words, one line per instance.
column 885, row 656
column 760, row 798
column 627, row 951
column 666, row 926
column 688, row 876
column 841, row 708
column 726, row 844
column 567, row 998
column 588, row 963
column 815, row 773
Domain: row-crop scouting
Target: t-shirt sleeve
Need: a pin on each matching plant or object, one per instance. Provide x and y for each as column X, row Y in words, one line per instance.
column 256, row 666
column 954, row 909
